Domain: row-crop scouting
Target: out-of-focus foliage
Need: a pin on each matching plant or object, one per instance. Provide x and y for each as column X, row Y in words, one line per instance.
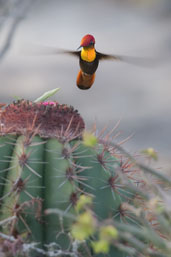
column 12, row 12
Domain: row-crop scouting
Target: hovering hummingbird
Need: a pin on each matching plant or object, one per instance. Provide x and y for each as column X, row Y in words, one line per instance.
column 89, row 60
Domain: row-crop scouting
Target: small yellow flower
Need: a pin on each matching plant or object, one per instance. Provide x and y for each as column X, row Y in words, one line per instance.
column 101, row 246
column 89, row 139
column 82, row 202
column 106, row 235
column 84, row 227
column 108, row 232
column 151, row 153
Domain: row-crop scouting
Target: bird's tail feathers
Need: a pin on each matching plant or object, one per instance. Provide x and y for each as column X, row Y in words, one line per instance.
column 84, row 80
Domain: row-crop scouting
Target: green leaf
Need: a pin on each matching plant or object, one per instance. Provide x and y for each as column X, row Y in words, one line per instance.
column 47, row 95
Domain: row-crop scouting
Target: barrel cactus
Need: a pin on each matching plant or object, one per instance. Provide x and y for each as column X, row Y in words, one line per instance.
column 58, row 191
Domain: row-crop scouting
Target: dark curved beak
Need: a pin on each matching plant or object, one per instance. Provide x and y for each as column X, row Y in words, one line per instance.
column 79, row 47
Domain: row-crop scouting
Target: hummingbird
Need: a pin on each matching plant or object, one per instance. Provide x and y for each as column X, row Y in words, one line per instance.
column 89, row 59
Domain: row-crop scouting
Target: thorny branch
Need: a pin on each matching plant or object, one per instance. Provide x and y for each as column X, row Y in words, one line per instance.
column 33, row 246
column 18, row 11
column 143, row 167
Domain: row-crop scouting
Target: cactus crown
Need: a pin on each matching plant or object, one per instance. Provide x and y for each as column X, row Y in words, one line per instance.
column 49, row 119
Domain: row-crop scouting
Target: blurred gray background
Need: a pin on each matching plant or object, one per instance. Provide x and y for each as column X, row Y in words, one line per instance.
column 138, row 96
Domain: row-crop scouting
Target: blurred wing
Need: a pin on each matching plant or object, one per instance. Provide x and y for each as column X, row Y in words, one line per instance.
column 47, row 50
column 140, row 61
column 108, row 57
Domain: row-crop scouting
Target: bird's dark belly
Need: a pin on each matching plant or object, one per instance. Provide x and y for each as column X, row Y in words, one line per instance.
column 89, row 67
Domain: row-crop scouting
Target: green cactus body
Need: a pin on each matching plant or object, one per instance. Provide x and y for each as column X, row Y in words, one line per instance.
column 59, row 192
column 102, row 179
column 97, row 176
column 6, row 148
column 35, row 181
column 41, row 172
column 103, row 184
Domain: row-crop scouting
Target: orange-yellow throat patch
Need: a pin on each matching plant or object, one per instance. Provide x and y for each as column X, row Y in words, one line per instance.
column 88, row 54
